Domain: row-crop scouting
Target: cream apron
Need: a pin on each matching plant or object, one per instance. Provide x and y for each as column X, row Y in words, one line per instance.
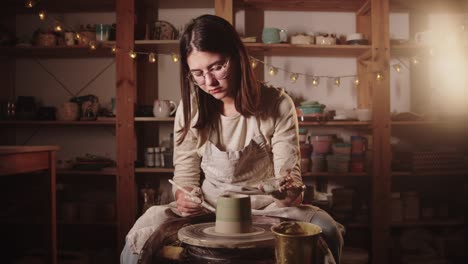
column 230, row 171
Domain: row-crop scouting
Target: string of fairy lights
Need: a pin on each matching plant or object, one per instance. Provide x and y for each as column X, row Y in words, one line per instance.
column 273, row 70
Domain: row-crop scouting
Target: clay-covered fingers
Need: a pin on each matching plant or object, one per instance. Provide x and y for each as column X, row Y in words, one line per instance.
column 188, row 204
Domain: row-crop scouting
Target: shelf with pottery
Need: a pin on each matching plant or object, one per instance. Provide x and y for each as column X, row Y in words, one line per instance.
column 101, row 122
column 55, row 52
column 307, row 50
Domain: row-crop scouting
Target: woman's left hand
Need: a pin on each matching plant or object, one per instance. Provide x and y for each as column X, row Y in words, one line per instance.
column 287, row 193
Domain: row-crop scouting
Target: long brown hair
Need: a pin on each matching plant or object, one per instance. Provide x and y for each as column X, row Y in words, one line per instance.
column 211, row 33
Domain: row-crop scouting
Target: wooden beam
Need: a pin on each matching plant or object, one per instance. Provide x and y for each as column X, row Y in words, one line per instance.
column 381, row 153
column 225, row 9
column 125, row 134
column 365, row 9
column 363, row 26
column 254, row 24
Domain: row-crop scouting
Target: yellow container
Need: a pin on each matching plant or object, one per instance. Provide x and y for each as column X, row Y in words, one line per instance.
column 296, row 242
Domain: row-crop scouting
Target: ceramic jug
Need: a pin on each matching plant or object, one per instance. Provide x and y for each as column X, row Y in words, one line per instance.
column 164, row 108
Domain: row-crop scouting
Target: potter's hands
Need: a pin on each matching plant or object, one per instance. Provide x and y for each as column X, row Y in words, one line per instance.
column 285, row 190
column 189, row 204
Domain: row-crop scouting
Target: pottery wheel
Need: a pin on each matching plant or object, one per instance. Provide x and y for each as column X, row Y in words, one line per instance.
column 204, row 235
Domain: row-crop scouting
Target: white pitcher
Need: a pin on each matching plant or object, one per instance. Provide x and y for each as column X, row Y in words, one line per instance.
column 164, row 108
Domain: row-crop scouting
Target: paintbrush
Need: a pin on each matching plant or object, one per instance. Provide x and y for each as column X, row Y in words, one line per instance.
column 203, row 203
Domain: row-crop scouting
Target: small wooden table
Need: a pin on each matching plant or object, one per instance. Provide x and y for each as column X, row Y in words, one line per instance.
column 24, row 159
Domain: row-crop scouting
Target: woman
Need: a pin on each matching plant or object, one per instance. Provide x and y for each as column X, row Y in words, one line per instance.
column 234, row 129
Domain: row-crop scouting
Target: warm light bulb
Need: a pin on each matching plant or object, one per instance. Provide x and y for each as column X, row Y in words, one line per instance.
column 294, row 77
column 132, row 54
column 152, row 57
column 272, row 71
column 379, row 76
column 58, row 28
column 175, row 58
column 114, row 49
column 30, row 3
column 356, row 81
column 397, row 67
column 414, row 60
column 337, row 81
column 42, row 15
column 315, row 81
column 92, row 45
column 77, row 36
column 253, row 63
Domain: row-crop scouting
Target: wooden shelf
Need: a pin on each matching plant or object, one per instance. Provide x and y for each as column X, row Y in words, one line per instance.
column 105, row 171
column 154, row 119
column 447, row 123
column 154, row 170
column 430, row 173
column 334, row 123
column 66, row 223
column 331, row 174
column 332, row 6
column 162, row 46
column 407, row 50
column 58, row 123
column 307, row 50
column 55, row 52
column 429, row 223
column 53, row 6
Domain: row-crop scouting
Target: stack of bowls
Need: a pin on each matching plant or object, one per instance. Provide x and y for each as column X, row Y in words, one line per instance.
column 310, row 109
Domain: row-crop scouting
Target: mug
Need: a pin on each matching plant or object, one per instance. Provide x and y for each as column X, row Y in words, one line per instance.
column 164, row 108
column 274, row 35
column 233, row 214
column 102, row 32
column 69, row 38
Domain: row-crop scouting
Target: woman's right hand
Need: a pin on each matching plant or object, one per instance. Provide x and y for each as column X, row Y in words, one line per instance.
column 189, row 204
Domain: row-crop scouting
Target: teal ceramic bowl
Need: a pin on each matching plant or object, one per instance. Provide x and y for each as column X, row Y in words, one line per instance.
column 307, row 110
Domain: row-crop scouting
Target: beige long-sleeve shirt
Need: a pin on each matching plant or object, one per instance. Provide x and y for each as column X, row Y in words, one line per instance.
column 278, row 124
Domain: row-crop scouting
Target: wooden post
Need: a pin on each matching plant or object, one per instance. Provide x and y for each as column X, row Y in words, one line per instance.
column 381, row 174
column 225, row 9
column 125, row 134
column 363, row 26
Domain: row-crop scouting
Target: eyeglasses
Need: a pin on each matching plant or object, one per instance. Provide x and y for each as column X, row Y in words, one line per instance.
column 218, row 71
